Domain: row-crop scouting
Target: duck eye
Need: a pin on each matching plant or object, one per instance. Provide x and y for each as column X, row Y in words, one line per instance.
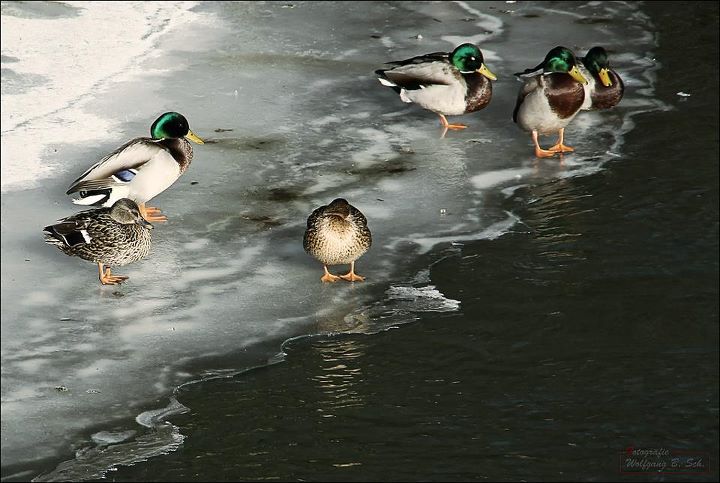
column 472, row 58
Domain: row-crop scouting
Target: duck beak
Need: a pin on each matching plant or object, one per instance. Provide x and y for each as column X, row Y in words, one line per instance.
column 605, row 77
column 143, row 222
column 486, row 72
column 194, row 138
column 575, row 73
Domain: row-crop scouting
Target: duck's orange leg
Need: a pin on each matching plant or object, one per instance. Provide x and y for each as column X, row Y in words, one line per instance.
column 560, row 147
column 329, row 277
column 447, row 125
column 351, row 276
column 151, row 214
column 540, row 152
column 106, row 278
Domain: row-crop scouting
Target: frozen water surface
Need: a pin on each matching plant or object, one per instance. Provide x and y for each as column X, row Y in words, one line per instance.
column 293, row 117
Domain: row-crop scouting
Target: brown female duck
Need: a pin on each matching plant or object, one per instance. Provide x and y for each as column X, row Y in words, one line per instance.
column 337, row 234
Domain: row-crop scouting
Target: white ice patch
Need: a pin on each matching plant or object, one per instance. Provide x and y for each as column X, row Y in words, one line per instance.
column 121, row 449
column 425, row 299
column 387, row 42
column 325, row 120
column 197, row 244
column 510, row 190
column 326, row 183
column 494, row 178
column 152, row 418
column 402, row 304
column 61, row 64
column 348, row 53
column 377, row 143
column 112, row 437
column 488, row 26
column 426, row 243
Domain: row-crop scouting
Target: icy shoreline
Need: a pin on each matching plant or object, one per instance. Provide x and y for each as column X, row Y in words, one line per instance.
column 292, row 123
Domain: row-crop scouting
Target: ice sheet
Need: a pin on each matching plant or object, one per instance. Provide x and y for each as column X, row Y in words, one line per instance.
column 293, row 117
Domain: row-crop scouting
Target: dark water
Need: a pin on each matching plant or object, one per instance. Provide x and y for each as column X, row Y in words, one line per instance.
column 591, row 328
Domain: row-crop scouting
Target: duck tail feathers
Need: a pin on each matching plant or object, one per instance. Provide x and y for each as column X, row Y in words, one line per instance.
column 387, row 82
column 538, row 69
column 92, row 199
column 65, row 235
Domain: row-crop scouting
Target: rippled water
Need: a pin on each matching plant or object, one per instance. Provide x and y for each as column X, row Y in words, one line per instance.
column 545, row 315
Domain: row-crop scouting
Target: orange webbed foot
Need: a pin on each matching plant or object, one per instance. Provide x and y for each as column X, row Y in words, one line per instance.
column 328, row 277
column 561, row 148
column 153, row 215
column 456, row 126
column 447, row 125
column 352, row 277
column 544, row 153
column 109, row 279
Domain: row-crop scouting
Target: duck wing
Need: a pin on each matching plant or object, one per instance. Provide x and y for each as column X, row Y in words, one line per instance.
column 357, row 215
column 420, row 72
column 118, row 167
column 531, row 83
column 71, row 231
column 420, row 59
column 317, row 213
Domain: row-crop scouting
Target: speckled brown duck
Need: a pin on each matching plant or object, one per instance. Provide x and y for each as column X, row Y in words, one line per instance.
column 448, row 84
column 337, row 234
column 551, row 97
column 605, row 88
column 107, row 236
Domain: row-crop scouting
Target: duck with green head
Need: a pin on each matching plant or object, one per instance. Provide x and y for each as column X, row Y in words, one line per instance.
column 551, row 97
column 140, row 169
column 605, row 88
column 449, row 84
column 107, row 236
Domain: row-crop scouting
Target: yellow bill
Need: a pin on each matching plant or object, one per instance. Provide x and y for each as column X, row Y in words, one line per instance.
column 486, row 72
column 194, row 138
column 605, row 77
column 575, row 73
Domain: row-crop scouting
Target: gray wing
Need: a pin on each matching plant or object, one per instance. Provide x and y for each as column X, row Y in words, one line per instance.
column 130, row 156
column 72, row 231
column 422, row 59
column 531, row 83
column 412, row 76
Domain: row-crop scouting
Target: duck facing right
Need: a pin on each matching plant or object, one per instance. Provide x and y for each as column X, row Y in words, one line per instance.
column 446, row 83
column 107, row 236
column 551, row 97
column 140, row 169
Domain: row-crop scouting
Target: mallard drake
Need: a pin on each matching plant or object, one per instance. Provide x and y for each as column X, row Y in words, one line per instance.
column 140, row 169
column 449, row 84
column 550, row 99
column 605, row 88
column 107, row 236
column 337, row 234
